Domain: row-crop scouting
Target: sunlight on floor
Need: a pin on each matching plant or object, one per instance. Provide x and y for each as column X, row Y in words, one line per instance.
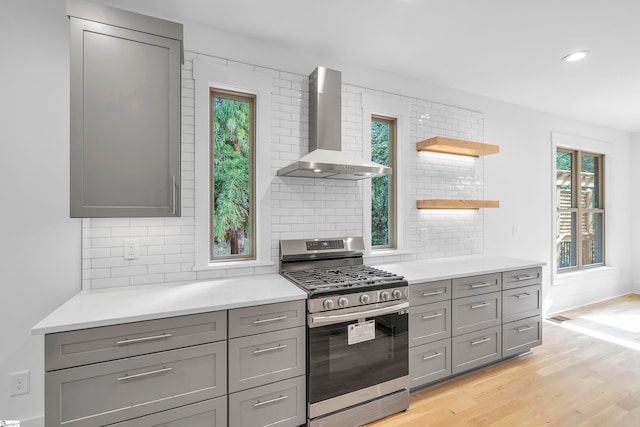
column 600, row 335
column 626, row 322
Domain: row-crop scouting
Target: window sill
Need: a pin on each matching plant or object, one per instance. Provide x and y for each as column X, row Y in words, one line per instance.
column 375, row 253
column 227, row 265
column 573, row 276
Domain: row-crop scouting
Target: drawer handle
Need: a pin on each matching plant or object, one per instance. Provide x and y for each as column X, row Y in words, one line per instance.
column 482, row 304
column 144, row 374
column 524, row 329
column 480, row 285
column 526, row 277
column 520, row 296
column 433, row 356
column 430, row 294
column 266, row 402
column 264, row 350
column 273, row 319
column 127, row 341
column 480, row 341
column 432, row 316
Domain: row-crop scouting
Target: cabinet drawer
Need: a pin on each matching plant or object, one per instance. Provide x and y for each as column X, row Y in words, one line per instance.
column 424, row 293
column 86, row 346
column 520, row 303
column 476, row 349
column 429, row 362
column 429, row 322
column 279, row 404
column 110, row 392
column 518, row 337
column 266, row 318
column 260, row 359
column 476, row 285
column 519, row 278
column 475, row 313
column 210, row 413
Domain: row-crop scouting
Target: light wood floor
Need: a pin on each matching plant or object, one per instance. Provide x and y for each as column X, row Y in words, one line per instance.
column 572, row 380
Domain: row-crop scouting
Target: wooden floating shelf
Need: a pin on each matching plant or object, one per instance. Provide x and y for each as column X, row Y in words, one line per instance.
column 456, row 204
column 440, row 144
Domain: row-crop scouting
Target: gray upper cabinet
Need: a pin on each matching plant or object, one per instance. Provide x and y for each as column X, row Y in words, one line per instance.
column 125, row 113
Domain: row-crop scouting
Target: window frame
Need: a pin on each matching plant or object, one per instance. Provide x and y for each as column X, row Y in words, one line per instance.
column 208, row 74
column 251, row 99
column 392, row 203
column 578, row 210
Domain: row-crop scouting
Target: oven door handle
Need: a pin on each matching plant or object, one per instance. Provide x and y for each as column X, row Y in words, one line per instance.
column 338, row 318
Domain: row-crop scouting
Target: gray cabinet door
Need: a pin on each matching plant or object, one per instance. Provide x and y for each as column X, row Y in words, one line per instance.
column 109, row 392
column 518, row 278
column 519, row 337
column 210, row 413
column 476, row 349
column 475, row 313
column 125, row 121
column 425, row 293
column 429, row 322
column 260, row 359
column 279, row 404
column 93, row 345
column 520, row 303
column 476, row 285
column 266, row 318
column 430, row 362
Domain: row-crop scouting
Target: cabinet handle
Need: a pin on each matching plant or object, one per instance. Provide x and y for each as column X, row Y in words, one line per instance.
column 429, row 294
column 433, row 356
column 480, row 285
column 432, row 316
column 524, row 329
column 264, row 350
column 482, row 304
column 274, row 319
column 520, row 296
column 144, row 374
column 480, row 341
column 173, row 193
column 266, row 402
column 127, row 341
column 525, row 277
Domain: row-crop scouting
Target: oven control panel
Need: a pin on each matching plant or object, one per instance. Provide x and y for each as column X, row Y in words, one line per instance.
column 334, row 302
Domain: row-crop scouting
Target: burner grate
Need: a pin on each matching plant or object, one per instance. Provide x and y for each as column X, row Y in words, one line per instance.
column 340, row 277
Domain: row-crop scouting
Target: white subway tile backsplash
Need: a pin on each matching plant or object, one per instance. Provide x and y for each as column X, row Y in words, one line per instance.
column 301, row 207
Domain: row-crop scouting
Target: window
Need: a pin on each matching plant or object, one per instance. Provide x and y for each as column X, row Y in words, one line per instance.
column 232, row 175
column 580, row 216
column 383, row 136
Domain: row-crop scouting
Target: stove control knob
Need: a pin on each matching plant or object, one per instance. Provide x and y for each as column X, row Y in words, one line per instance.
column 327, row 304
column 384, row 295
column 396, row 294
column 343, row 302
column 364, row 299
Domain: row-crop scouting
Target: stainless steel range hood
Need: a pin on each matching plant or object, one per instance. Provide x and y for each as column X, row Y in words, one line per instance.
column 325, row 158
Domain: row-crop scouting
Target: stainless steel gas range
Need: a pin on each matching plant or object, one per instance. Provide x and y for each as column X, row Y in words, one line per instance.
column 357, row 332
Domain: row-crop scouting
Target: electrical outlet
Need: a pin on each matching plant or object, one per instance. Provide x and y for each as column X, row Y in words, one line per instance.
column 130, row 248
column 19, row 383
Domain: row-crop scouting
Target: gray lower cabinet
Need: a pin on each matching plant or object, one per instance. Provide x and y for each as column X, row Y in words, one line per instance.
column 464, row 323
column 109, row 392
column 209, row 413
column 125, row 113
column 282, row 403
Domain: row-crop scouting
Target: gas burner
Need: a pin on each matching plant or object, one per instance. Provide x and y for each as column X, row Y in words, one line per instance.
column 336, row 278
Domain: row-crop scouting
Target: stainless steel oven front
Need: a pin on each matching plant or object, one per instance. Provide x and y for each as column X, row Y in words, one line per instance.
column 358, row 364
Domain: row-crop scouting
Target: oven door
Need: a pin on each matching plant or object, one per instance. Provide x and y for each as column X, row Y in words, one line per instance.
column 354, row 350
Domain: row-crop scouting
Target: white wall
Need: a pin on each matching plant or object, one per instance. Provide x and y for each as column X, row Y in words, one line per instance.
column 39, row 244
column 635, row 205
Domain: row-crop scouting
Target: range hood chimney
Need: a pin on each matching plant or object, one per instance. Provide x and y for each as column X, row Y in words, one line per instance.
column 326, row 158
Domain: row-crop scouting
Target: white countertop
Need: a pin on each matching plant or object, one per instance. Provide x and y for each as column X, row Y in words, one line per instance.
column 102, row 307
column 428, row 270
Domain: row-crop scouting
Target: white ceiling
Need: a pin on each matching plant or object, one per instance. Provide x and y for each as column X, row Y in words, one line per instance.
column 509, row 50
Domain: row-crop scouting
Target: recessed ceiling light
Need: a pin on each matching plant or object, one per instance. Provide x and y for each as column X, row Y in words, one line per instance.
column 576, row 56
